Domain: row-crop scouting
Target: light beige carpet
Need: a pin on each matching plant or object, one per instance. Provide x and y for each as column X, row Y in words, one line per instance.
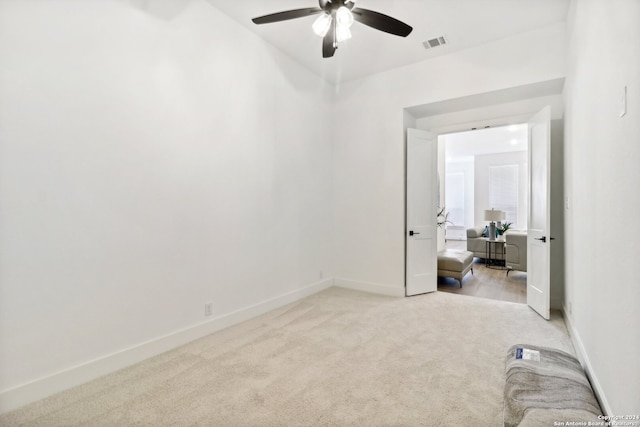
column 337, row 358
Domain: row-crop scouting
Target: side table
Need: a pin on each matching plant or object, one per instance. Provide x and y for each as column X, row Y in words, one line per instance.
column 494, row 251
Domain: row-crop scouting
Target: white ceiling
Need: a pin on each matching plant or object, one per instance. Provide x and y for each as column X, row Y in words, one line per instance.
column 465, row 23
column 463, row 146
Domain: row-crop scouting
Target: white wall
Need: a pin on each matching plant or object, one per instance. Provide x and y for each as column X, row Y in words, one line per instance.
column 369, row 146
column 482, row 182
column 602, row 173
column 148, row 164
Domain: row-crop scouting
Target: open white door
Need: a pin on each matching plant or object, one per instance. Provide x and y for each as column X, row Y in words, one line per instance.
column 538, row 238
column 422, row 205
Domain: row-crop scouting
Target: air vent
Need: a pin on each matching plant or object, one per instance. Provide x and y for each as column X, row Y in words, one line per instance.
column 438, row 41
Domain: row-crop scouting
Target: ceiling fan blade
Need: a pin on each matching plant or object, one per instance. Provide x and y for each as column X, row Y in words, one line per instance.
column 286, row 15
column 329, row 41
column 323, row 4
column 381, row 22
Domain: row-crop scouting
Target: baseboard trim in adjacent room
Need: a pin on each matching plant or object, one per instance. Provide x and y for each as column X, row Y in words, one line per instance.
column 374, row 288
column 586, row 363
column 24, row 394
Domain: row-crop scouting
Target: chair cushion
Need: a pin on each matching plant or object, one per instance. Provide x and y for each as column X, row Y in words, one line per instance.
column 453, row 260
column 474, row 232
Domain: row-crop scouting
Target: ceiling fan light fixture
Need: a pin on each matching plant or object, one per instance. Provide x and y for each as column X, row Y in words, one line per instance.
column 335, row 20
column 344, row 17
column 321, row 24
column 342, row 33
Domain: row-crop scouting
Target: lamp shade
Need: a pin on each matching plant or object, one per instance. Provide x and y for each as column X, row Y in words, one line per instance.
column 494, row 215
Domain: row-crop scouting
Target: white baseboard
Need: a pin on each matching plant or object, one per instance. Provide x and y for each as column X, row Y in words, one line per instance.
column 374, row 288
column 586, row 364
column 30, row 392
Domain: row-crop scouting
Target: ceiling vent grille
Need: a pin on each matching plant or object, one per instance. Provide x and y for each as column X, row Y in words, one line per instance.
column 438, row 41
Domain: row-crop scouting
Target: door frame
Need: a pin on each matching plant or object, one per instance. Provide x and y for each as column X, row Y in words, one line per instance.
column 461, row 127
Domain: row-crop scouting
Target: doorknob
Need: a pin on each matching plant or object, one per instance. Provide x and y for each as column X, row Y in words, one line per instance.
column 411, row 233
column 543, row 239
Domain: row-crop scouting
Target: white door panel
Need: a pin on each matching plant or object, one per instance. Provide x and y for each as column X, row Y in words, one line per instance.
column 421, row 235
column 538, row 239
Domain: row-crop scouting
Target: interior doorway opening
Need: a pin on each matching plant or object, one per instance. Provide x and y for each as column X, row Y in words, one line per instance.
column 486, row 169
column 540, row 106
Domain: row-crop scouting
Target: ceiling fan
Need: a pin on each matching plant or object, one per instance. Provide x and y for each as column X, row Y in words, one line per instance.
column 336, row 18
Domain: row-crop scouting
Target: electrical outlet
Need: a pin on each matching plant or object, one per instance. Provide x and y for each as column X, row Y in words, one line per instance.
column 208, row 309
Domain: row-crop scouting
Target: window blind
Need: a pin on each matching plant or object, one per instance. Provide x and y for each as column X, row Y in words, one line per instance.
column 454, row 197
column 503, row 190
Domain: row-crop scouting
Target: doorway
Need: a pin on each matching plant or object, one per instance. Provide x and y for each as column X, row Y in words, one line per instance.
column 499, row 108
column 483, row 169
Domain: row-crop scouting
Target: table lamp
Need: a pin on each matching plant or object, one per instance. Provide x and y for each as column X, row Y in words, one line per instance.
column 493, row 216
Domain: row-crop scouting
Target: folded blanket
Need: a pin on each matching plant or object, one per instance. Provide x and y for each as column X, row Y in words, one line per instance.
column 544, row 386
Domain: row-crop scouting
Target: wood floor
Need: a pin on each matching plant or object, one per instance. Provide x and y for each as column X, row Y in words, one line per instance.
column 486, row 282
